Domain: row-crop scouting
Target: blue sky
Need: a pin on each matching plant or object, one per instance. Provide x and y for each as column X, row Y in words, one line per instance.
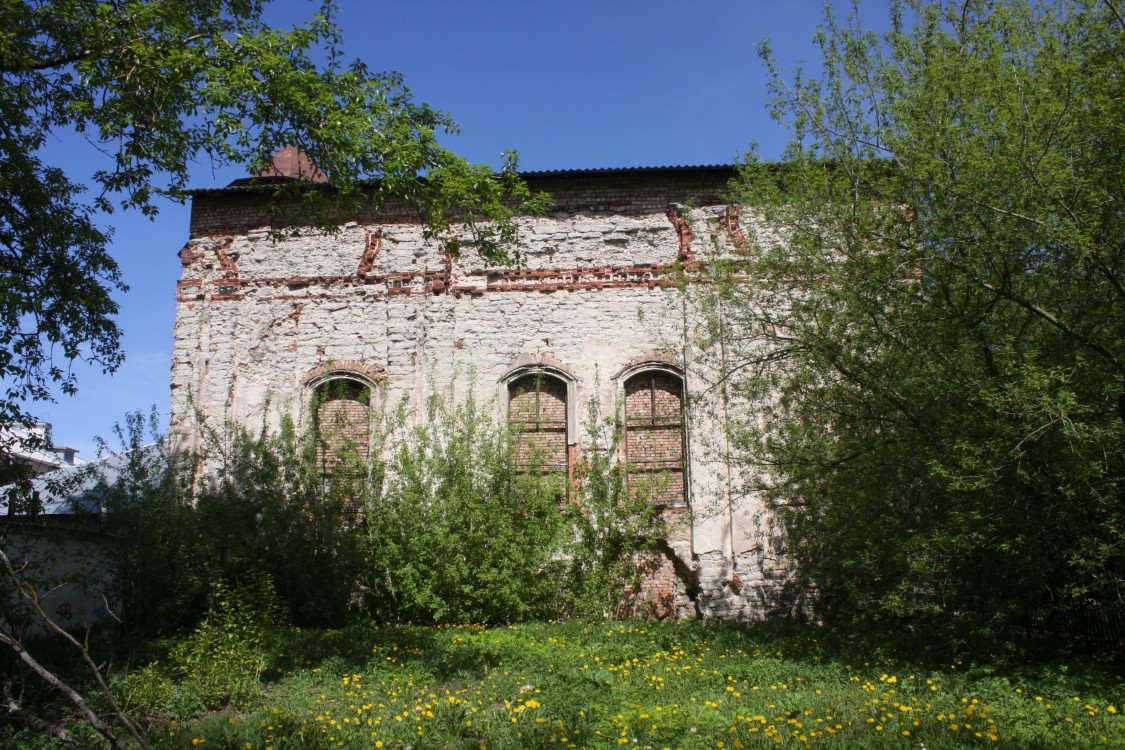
column 569, row 85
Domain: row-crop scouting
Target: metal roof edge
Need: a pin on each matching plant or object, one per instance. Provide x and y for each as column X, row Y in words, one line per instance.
column 264, row 184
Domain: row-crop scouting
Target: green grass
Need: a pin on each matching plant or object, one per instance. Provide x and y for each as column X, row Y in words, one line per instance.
column 635, row 684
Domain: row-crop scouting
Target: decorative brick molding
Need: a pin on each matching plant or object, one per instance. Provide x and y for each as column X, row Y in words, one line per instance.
column 528, row 364
column 230, row 288
column 374, row 376
column 540, row 361
column 657, row 359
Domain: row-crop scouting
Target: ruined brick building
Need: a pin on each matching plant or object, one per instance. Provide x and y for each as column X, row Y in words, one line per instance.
column 323, row 327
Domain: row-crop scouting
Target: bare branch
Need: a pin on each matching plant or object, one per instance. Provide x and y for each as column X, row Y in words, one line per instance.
column 16, row 711
column 28, row 594
column 54, row 681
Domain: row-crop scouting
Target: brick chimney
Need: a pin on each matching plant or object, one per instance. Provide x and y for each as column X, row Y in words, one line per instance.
column 294, row 163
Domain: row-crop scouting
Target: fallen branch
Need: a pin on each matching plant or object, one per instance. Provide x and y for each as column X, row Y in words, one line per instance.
column 29, row 595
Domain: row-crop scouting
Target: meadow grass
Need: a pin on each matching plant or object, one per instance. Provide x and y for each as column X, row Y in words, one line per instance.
column 643, row 685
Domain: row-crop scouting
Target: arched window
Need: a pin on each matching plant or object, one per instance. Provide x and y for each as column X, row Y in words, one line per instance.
column 538, row 414
column 654, row 435
column 342, row 422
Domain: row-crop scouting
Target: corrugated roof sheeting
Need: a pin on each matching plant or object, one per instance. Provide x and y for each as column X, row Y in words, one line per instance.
column 74, row 490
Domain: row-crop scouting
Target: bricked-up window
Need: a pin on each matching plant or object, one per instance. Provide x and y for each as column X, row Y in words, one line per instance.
column 537, row 413
column 343, row 424
column 654, row 436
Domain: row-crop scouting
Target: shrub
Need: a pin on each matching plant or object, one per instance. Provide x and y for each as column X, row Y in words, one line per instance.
column 265, row 511
column 459, row 533
column 442, row 524
column 146, row 691
column 222, row 660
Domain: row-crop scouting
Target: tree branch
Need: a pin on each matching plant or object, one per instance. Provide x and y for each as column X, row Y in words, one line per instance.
column 15, row 710
column 54, row 681
column 1115, row 11
column 1045, row 315
column 51, row 62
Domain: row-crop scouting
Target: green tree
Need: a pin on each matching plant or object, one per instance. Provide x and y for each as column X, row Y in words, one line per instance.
column 158, row 84
column 935, row 327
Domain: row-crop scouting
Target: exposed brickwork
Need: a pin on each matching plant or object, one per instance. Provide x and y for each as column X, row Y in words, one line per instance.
column 654, row 436
column 683, row 233
column 372, row 245
column 729, row 219
column 537, row 412
column 226, row 263
column 343, row 425
column 655, row 593
column 190, row 255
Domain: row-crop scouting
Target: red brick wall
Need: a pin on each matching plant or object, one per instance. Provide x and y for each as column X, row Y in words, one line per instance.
column 654, row 437
column 342, row 428
column 537, row 414
column 654, row 593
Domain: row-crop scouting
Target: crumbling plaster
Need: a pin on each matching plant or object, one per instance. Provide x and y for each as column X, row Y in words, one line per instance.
column 596, row 294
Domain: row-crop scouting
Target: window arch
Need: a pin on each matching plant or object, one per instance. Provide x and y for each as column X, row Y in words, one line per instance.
column 654, row 434
column 341, row 414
